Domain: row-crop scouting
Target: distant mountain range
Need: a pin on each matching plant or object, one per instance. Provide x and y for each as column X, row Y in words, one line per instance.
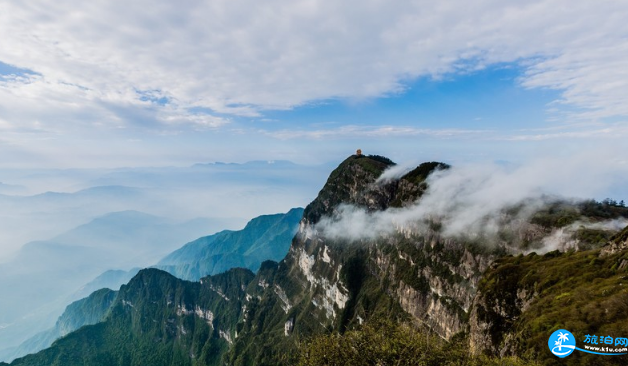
column 11, row 188
column 89, row 310
column 263, row 238
column 42, row 278
column 231, row 192
column 477, row 291
column 266, row 237
column 111, row 279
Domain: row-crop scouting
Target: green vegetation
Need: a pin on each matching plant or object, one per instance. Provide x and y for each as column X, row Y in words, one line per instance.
column 578, row 291
column 89, row 310
column 373, row 163
column 560, row 213
column 420, row 173
column 413, row 184
column 388, row 343
column 621, row 237
column 556, row 214
column 592, row 238
column 606, row 209
column 262, row 339
column 153, row 322
column 266, row 237
column 346, row 184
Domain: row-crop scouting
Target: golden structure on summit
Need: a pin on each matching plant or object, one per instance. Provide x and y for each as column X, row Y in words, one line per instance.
column 359, row 152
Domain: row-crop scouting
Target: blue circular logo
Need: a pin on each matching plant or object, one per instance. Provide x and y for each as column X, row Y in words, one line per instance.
column 562, row 343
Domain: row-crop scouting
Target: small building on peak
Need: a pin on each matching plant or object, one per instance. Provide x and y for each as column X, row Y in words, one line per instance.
column 359, row 152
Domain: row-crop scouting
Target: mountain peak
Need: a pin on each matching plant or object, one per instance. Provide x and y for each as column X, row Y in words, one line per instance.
column 347, row 183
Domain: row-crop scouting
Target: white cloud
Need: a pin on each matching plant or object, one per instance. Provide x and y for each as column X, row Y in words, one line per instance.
column 470, row 198
column 397, row 171
column 246, row 56
column 608, row 131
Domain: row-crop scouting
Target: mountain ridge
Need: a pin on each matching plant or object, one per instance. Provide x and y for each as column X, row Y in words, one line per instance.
column 264, row 237
column 54, row 269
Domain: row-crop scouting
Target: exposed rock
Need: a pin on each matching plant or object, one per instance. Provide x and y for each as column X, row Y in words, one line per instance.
column 617, row 244
column 491, row 319
column 288, row 326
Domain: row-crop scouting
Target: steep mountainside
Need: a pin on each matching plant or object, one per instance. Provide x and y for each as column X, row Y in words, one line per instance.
column 89, row 310
column 521, row 299
column 54, row 269
column 158, row 319
column 412, row 272
column 265, row 237
column 325, row 284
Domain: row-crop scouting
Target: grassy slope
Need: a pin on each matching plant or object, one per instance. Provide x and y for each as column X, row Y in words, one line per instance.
column 578, row 291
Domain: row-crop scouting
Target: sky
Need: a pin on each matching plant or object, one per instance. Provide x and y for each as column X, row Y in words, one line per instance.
column 109, row 83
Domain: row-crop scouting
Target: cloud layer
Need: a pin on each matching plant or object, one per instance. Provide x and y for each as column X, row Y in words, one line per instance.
column 113, row 62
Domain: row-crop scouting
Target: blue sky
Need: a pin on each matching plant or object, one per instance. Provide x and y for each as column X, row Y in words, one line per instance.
column 488, row 99
column 105, row 84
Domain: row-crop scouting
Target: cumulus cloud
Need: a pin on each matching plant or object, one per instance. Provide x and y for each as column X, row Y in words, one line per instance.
column 471, row 199
column 244, row 57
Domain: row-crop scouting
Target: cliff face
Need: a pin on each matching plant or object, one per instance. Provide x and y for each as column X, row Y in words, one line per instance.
column 413, row 271
column 420, row 272
column 435, row 289
column 325, row 283
column 350, row 280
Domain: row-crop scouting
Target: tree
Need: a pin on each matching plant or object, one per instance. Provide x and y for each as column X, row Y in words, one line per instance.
column 384, row 342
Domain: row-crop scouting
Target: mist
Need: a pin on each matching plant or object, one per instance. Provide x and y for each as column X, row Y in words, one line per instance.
column 471, row 199
column 59, row 229
column 51, row 201
column 562, row 238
